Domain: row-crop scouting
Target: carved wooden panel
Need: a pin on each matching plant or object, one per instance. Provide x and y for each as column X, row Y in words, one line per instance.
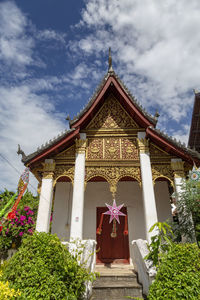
column 67, row 154
column 64, row 171
column 112, row 148
column 156, row 152
column 95, row 149
column 162, row 171
column 112, row 116
column 129, row 149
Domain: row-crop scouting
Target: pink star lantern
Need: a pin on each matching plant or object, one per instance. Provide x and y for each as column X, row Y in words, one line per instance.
column 114, row 211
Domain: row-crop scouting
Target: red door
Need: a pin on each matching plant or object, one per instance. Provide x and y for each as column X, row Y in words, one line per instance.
column 109, row 249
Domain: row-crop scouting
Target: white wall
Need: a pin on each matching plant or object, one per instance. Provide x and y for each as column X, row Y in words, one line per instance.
column 96, row 195
column 129, row 193
column 62, row 210
column 162, row 201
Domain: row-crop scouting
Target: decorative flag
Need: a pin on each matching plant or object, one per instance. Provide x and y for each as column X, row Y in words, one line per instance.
column 114, row 211
column 24, row 180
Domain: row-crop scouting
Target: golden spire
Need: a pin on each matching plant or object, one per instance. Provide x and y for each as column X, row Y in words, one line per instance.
column 110, row 69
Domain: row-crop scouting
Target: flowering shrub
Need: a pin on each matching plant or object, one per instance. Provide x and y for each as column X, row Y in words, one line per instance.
column 6, row 292
column 14, row 229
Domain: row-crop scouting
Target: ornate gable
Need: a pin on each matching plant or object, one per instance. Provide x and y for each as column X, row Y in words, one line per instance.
column 157, row 154
column 112, row 116
column 68, row 154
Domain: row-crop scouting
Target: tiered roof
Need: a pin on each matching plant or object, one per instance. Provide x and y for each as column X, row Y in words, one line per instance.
column 111, row 83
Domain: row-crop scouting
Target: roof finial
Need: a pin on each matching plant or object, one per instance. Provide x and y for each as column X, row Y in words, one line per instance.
column 110, row 69
column 195, row 91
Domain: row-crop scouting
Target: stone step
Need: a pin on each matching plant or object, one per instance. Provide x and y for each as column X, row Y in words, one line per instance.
column 108, row 293
column 108, row 279
column 116, row 282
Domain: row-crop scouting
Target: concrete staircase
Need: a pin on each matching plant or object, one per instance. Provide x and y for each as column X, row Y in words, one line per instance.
column 116, row 282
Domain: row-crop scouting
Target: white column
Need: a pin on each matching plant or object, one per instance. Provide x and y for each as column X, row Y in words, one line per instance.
column 46, row 195
column 147, row 185
column 179, row 176
column 76, row 229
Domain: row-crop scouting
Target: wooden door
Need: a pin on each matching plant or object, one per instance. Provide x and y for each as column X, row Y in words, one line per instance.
column 112, row 250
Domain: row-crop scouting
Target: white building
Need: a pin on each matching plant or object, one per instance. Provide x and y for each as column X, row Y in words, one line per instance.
column 112, row 151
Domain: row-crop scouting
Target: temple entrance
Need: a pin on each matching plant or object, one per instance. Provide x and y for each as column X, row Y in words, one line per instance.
column 112, row 249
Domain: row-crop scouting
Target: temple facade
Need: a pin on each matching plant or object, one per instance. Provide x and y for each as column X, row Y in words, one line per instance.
column 112, row 150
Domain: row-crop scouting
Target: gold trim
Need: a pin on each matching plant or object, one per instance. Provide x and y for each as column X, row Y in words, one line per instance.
column 143, row 145
column 178, row 168
column 162, row 176
column 48, row 170
column 81, row 145
column 162, row 171
column 67, row 171
column 112, row 174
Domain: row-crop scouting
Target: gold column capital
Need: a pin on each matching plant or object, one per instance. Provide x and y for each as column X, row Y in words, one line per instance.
column 143, row 145
column 81, row 145
column 49, row 167
column 178, row 168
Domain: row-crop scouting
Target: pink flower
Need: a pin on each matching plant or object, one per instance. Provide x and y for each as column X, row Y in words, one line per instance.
column 22, row 218
column 30, row 212
column 21, row 233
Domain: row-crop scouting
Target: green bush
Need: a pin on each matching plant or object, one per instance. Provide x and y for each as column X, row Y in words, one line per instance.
column 178, row 275
column 44, row 269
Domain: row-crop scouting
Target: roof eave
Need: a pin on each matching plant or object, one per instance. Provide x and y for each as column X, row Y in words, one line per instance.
column 41, row 155
column 177, row 148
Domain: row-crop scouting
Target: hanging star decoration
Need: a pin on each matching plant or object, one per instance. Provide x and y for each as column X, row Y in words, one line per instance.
column 114, row 211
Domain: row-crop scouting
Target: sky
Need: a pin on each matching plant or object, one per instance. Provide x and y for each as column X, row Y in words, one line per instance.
column 53, row 54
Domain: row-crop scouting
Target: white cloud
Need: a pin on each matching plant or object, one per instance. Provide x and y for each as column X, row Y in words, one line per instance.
column 49, row 34
column 15, row 46
column 155, row 48
column 28, row 120
column 27, row 117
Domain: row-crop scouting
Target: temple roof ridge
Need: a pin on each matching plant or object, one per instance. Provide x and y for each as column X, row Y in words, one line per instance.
column 110, row 73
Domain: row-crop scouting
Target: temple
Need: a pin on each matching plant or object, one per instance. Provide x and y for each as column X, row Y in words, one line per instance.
column 194, row 137
column 112, row 150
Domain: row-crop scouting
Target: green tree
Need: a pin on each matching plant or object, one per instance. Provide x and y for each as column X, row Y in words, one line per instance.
column 188, row 207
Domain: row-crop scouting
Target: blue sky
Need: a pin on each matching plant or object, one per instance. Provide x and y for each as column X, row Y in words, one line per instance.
column 54, row 53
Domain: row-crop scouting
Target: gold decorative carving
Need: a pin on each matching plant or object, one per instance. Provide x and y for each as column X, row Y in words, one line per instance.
column 81, row 145
column 112, row 148
column 112, row 116
column 113, row 175
column 156, row 152
column 178, row 168
column 95, row 149
column 163, row 171
column 129, row 149
column 67, row 154
column 143, row 145
column 64, row 171
column 48, row 170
